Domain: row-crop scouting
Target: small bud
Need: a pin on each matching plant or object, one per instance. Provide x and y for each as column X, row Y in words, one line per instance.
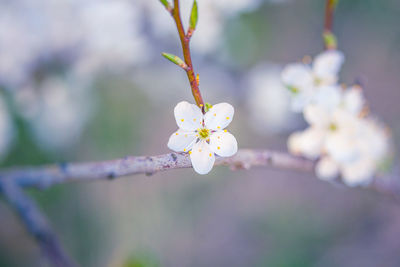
column 166, row 5
column 193, row 16
column 176, row 60
column 329, row 40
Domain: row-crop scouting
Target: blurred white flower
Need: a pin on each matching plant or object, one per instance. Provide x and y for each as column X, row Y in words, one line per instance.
column 203, row 135
column 303, row 80
column 112, row 35
column 331, row 122
column 57, row 111
column 346, row 143
column 18, row 46
column 370, row 145
column 268, row 101
column 91, row 35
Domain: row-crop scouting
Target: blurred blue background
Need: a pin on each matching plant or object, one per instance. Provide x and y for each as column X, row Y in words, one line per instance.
column 84, row 80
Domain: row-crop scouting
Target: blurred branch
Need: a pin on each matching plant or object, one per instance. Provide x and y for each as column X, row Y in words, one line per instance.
column 185, row 42
column 36, row 223
column 329, row 38
column 42, row 177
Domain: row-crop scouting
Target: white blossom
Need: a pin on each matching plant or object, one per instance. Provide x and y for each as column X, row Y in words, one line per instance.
column 57, row 111
column 203, row 135
column 112, row 35
column 87, row 35
column 339, row 136
column 331, row 121
column 346, row 142
column 304, row 80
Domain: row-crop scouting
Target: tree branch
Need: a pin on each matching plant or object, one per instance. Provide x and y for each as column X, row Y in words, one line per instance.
column 45, row 176
column 36, row 223
column 42, row 177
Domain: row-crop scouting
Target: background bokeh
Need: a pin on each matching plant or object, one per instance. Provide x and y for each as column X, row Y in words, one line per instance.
column 84, row 80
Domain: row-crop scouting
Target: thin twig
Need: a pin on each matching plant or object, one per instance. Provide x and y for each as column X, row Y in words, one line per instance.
column 36, row 223
column 329, row 37
column 329, row 12
column 185, row 41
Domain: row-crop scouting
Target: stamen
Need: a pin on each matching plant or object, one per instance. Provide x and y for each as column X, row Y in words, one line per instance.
column 204, row 133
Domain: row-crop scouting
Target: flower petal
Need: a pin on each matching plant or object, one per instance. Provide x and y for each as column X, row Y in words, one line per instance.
column 373, row 139
column 219, row 116
column 358, row 173
column 223, row 144
column 300, row 100
column 327, row 65
column 188, row 116
column 202, row 157
column 298, row 76
column 317, row 116
column 327, row 169
column 181, row 141
column 353, row 100
column 328, row 97
column 341, row 146
column 308, row 143
column 294, row 143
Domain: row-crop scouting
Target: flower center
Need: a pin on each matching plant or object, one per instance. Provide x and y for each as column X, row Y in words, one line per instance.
column 293, row 89
column 333, row 127
column 204, row 133
column 317, row 81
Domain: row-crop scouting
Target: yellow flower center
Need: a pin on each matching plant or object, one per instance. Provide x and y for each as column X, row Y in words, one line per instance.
column 293, row 89
column 204, row 133
column 333, row 127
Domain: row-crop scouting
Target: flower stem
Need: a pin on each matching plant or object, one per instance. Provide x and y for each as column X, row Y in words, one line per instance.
column 185, row 40
column 329, row 37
